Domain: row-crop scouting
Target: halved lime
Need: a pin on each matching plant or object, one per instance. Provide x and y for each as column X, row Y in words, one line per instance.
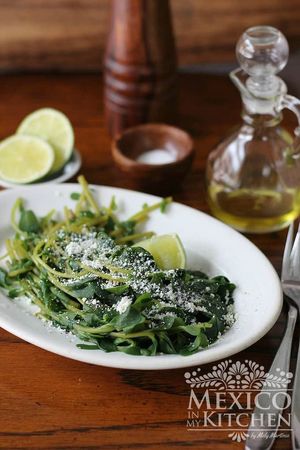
column 54, row 127
column 167, row 251
column 24, row 159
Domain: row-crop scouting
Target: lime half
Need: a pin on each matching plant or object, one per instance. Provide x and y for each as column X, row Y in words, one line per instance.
column 167, row 251
column 54, row 127
column 24, row 159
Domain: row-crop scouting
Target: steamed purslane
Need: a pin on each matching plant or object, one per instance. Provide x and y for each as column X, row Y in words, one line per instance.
column 86, row 277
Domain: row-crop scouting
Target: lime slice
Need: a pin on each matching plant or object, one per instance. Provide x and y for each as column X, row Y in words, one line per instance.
column 54, row 127
column 167, row 251
column 24, row 159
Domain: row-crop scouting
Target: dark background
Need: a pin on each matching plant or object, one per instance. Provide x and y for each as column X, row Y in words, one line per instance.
column 69, row 35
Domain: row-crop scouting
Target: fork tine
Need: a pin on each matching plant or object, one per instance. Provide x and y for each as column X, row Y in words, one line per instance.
column 287, row 252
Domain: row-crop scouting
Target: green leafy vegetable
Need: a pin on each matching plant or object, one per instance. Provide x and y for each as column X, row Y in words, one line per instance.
column 85, row 278
column 3, row 278
column 75, row 196
column 29, row 222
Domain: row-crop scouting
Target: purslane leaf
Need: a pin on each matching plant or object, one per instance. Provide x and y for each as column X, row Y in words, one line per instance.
column 111, row 295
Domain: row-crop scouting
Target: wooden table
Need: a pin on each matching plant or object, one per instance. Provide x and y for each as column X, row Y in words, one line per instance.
column 50, row 402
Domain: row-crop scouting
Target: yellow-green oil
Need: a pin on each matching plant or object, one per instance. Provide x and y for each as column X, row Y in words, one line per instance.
column 254, row 210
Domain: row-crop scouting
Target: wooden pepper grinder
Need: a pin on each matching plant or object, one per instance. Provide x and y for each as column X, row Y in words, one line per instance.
column 139, row 65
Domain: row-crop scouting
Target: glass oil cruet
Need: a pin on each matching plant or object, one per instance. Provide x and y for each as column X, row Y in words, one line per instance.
column 253, row 176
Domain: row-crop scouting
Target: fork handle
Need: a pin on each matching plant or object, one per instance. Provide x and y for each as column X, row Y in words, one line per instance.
column 261, row 435
column 296, row 405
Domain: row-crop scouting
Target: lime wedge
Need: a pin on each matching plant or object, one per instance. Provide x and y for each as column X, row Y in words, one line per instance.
column 54, row 127
column 167, row 251
column 24, row 159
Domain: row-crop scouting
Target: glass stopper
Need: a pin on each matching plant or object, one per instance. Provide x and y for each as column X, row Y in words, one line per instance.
column 262, row 52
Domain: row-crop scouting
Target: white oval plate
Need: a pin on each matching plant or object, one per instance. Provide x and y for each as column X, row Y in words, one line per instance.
column 211, row 246
column 68, row 171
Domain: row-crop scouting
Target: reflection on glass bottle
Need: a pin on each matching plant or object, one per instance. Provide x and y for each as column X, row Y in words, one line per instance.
column 253, row 176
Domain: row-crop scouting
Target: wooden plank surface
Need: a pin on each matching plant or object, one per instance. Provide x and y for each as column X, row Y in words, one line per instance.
column 67, row 35
column 50, row 402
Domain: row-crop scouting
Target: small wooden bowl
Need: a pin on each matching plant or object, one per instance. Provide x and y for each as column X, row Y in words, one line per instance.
column 162, row 178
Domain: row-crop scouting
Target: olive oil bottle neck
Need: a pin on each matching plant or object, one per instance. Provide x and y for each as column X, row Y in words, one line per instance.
column 261, row 120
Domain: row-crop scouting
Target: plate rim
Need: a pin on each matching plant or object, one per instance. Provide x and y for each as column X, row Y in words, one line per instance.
column 155, row 362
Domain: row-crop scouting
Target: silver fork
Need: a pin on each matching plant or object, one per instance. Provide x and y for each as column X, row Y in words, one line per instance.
column 290, row 279
column 262, row 436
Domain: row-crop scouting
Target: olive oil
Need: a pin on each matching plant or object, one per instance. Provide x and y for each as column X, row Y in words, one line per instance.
column 253, row 174
column 254, row 210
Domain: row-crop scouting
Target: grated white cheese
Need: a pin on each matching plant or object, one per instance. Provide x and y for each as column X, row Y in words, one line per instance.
column 123, row 304
column 73, row 249
column 95, row 252
column 231, row 316
column 84, row 247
